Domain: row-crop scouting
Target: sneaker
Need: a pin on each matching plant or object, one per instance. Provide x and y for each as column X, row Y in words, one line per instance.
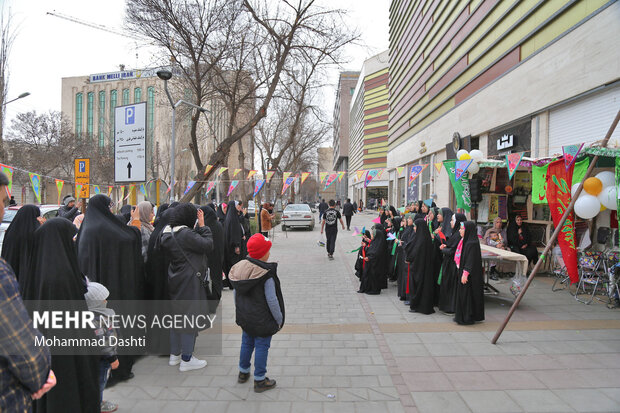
column 192, row 364
column 264, row 385
column 243, row 377
column 108, row 407
column 174, row 360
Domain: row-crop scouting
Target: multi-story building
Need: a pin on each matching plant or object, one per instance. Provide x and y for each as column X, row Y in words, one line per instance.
column 344, row 92
column 465, row 74
column 368, row 137
column 325, row 163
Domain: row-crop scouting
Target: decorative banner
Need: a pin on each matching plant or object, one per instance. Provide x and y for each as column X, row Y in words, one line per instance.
column 237, row 170
column 399, row 170
column 190, row 184
column 208, row 169
column 512, row 162
column 78, row 188
column 330, row 180
column 258, row 186
column 251, row 174
column 379, row 174
column 360, row 174
column 287, row 183
column 35, row 180
column 559, row 182
column 570, row 154
column 270, row 175
column 110, row 189
column 143, row 190
column 460, row 187
column 341, row 175
column 210, row 186
column 377, row 220
column 438, row 166
column 429, row 202
column 129, row 192
column 304, row 176
column 415, row 171
column 96, row 189
column 59, row 184
column 8, row 171
column 221, row 171
column 232, row 187
column 461, row 167
column 322, row 176
column 370, row 176
column 285, row 176
column 122, row 192
column 579, row 172
column 390, row 236
column 618, row 180
column 539, row 184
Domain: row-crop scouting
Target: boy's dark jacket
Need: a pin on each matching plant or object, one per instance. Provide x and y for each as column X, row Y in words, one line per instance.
column 248, row 278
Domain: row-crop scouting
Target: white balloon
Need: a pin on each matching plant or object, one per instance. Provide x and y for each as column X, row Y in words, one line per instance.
column 573, row 190
column 587, row 206
column 473, row 168
column 459, row 153
column 607, row 178
column 608, row 197
column 476, row 155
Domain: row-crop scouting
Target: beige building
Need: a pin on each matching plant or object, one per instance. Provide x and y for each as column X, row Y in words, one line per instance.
column 325, row 164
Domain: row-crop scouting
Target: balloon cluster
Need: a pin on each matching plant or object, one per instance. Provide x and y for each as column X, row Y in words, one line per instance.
column 599, row 193
column 475, row 155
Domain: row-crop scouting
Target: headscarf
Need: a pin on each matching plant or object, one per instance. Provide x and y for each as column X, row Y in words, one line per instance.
column 184, row 214
column 470, row 236
column 233, row 231
column 394, row 211
column 126, row 212
column 215, row 258
column 162, row 208
column 18, row 238
column 455, row 237
column 378, row 243
column 446, row 213
column 145, row 209
column 221, row 215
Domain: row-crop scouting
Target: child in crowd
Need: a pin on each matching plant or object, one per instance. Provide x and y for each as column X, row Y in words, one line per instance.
column 259, row 309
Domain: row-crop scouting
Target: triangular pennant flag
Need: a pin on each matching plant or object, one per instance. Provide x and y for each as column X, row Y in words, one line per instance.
column 429, row 202
column 270, row 175
column 356, row 231
column 390, row 237
column 360, row 174
column 322, row 176
column 512, row 162
column 8, row 171
column 399, row 170
column 258, row 186
column 570, row 154
column 304, row 176
column 210, row 186
column 190, row 184
column 35, row 180
column 237, row 170
column 438, row 166
column 110, row 189
column 96, row 189
column 251, row 174
column 78, row 188
column 461, row 167
column 143, row 190
column 129, row 192
column 330, row 180
column 377, row 220
column 286, row 184
column 370, row 176
column 208, row 169
column 122, row 192
column 232, row 187
column 415, row 171
column 59, row 184
column 379, row 174
column 341, row 175
column 221, row 170
column 285, row 176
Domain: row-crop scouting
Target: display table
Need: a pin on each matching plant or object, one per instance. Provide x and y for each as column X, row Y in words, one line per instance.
column 491, row 254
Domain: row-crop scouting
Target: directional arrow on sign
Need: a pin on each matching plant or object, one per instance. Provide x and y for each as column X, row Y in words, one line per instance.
column 129, row 170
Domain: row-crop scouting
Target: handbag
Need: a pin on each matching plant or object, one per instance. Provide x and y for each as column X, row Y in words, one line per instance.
column 205, row 281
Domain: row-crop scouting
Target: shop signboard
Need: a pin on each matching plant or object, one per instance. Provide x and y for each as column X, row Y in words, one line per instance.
column 513, row 139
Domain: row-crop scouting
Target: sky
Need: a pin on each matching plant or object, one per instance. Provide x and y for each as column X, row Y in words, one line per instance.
column 48, row 48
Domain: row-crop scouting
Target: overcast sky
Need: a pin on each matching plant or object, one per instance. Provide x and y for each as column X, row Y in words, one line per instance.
column 48, row 48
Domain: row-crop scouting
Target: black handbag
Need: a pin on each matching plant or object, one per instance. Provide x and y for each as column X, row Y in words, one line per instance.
column 205, row 280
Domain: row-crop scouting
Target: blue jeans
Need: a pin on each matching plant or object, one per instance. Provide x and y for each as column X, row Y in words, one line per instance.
column 182, row 343
column 104, row 369
column 248, row 345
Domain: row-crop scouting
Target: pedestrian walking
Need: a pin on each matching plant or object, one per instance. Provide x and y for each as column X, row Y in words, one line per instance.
column 322, row 208
column 266, row 215
column 259, row 309
column 233, row 240
column 348, row 210
column 330, row 226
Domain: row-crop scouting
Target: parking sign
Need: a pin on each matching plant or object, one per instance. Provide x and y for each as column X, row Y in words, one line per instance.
column 130, row 143
column 82, row 176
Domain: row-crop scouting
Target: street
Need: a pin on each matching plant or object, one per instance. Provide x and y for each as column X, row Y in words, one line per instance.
column 345, row 352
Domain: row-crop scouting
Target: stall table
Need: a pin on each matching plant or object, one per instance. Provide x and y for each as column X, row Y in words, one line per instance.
column 491, row 254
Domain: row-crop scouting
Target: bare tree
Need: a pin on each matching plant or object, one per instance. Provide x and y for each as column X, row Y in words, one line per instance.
column 7, row 36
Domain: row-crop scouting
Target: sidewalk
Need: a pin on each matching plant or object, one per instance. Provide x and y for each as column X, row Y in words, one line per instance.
column 345, row 352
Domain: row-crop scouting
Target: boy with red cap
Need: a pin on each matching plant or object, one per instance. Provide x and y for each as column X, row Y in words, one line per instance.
column 259, row 309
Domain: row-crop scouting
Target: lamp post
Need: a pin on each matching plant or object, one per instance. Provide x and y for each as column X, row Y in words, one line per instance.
column 23, row 95
column 166, row 75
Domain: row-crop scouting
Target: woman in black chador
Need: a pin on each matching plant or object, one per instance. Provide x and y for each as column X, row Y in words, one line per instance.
column 53, row 274
column 18, row 237
column 402, row 268
column 448, row 277
column 360, row 262
column 470, row 287
column 397, row 230
column 376, row 262
column 419, row 255
column 520, row 240
column 215, row 257
column 233, row 240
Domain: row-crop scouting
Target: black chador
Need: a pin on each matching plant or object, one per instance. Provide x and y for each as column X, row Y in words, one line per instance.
column 215, row 257
column 449, row 273
column 393, row 250
column 17, row 243
column 376, row 264
column 470, row 287
column 402, row 268
column 419, row 255
column 233, row 240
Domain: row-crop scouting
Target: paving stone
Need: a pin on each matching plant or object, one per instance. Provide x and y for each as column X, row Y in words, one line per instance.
column 588, row 400
column 490, row 402
column 543, row 401
column 444, row 402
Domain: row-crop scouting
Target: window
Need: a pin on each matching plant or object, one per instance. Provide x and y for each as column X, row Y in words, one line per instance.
column 90, row 102
column 101, row 126
column 352, row 91
column 78, row 115
column 137, row 95
column 150, row 108
column 125, row 97
column 113, row 104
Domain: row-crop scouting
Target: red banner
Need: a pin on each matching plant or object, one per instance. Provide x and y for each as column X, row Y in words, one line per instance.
column 559, row 182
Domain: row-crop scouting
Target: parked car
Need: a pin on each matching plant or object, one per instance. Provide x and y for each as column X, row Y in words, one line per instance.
column 297, row 216
column 47, row 211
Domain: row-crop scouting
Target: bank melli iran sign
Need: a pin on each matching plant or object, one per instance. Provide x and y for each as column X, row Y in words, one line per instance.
column 130, row 143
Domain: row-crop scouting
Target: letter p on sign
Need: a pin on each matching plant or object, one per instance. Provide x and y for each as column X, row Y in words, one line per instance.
column 130, row 116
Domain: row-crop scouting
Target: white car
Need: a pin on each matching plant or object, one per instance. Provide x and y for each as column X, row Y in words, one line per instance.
column 251, row 209
column 47, row 212
column 297, row 216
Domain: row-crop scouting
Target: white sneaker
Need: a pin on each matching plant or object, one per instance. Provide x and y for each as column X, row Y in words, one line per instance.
column 192, row 364
column 174, row 360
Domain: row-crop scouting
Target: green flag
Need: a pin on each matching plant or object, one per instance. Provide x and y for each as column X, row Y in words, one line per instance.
column 461, row 187
column 539, row 184
column 618, row 179
column 580, row 170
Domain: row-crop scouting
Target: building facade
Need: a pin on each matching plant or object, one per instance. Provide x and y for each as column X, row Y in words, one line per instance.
column 470, row 73
column 344, row 93
column 368, row 138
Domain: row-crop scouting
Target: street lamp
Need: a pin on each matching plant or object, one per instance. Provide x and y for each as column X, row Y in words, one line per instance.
column 166, row 75
column 23, row 95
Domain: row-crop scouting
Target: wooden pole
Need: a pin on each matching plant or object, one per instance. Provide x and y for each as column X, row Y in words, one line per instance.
column 558, row 228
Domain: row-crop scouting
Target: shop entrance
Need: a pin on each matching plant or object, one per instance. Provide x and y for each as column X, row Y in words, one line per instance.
column 374, row 195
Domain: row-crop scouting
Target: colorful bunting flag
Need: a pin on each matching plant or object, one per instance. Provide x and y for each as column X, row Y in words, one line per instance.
column 270, row 175
column 399, row 170
column 110, row 189
column 208, row 169
column 461, row 167
column 129, row 192
column 78, row 188
column 356, row 231
column 570, row 154
column 461, row 187
column 96, row 189
column 143, row 190
column 285, row 176
column 122, row 191
column 210, row 186
column 330, row 180
column 251, row 174
column 8, row 171
column 232, row 187
column 35, row 180
column 370, row 176
column 190, row 184
column 304, row 176
column 415, row 171
column 360, row 174
column 512, row 162
column 286, row 184
column 390, row 236
column 438, row 166
column 322, row 176
column 380, row 174
column 237, row 170
column 59, row 184
column 341, row 175
column 429, row 202
column 377, row 220
column 221, row 170
column 258, row 187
